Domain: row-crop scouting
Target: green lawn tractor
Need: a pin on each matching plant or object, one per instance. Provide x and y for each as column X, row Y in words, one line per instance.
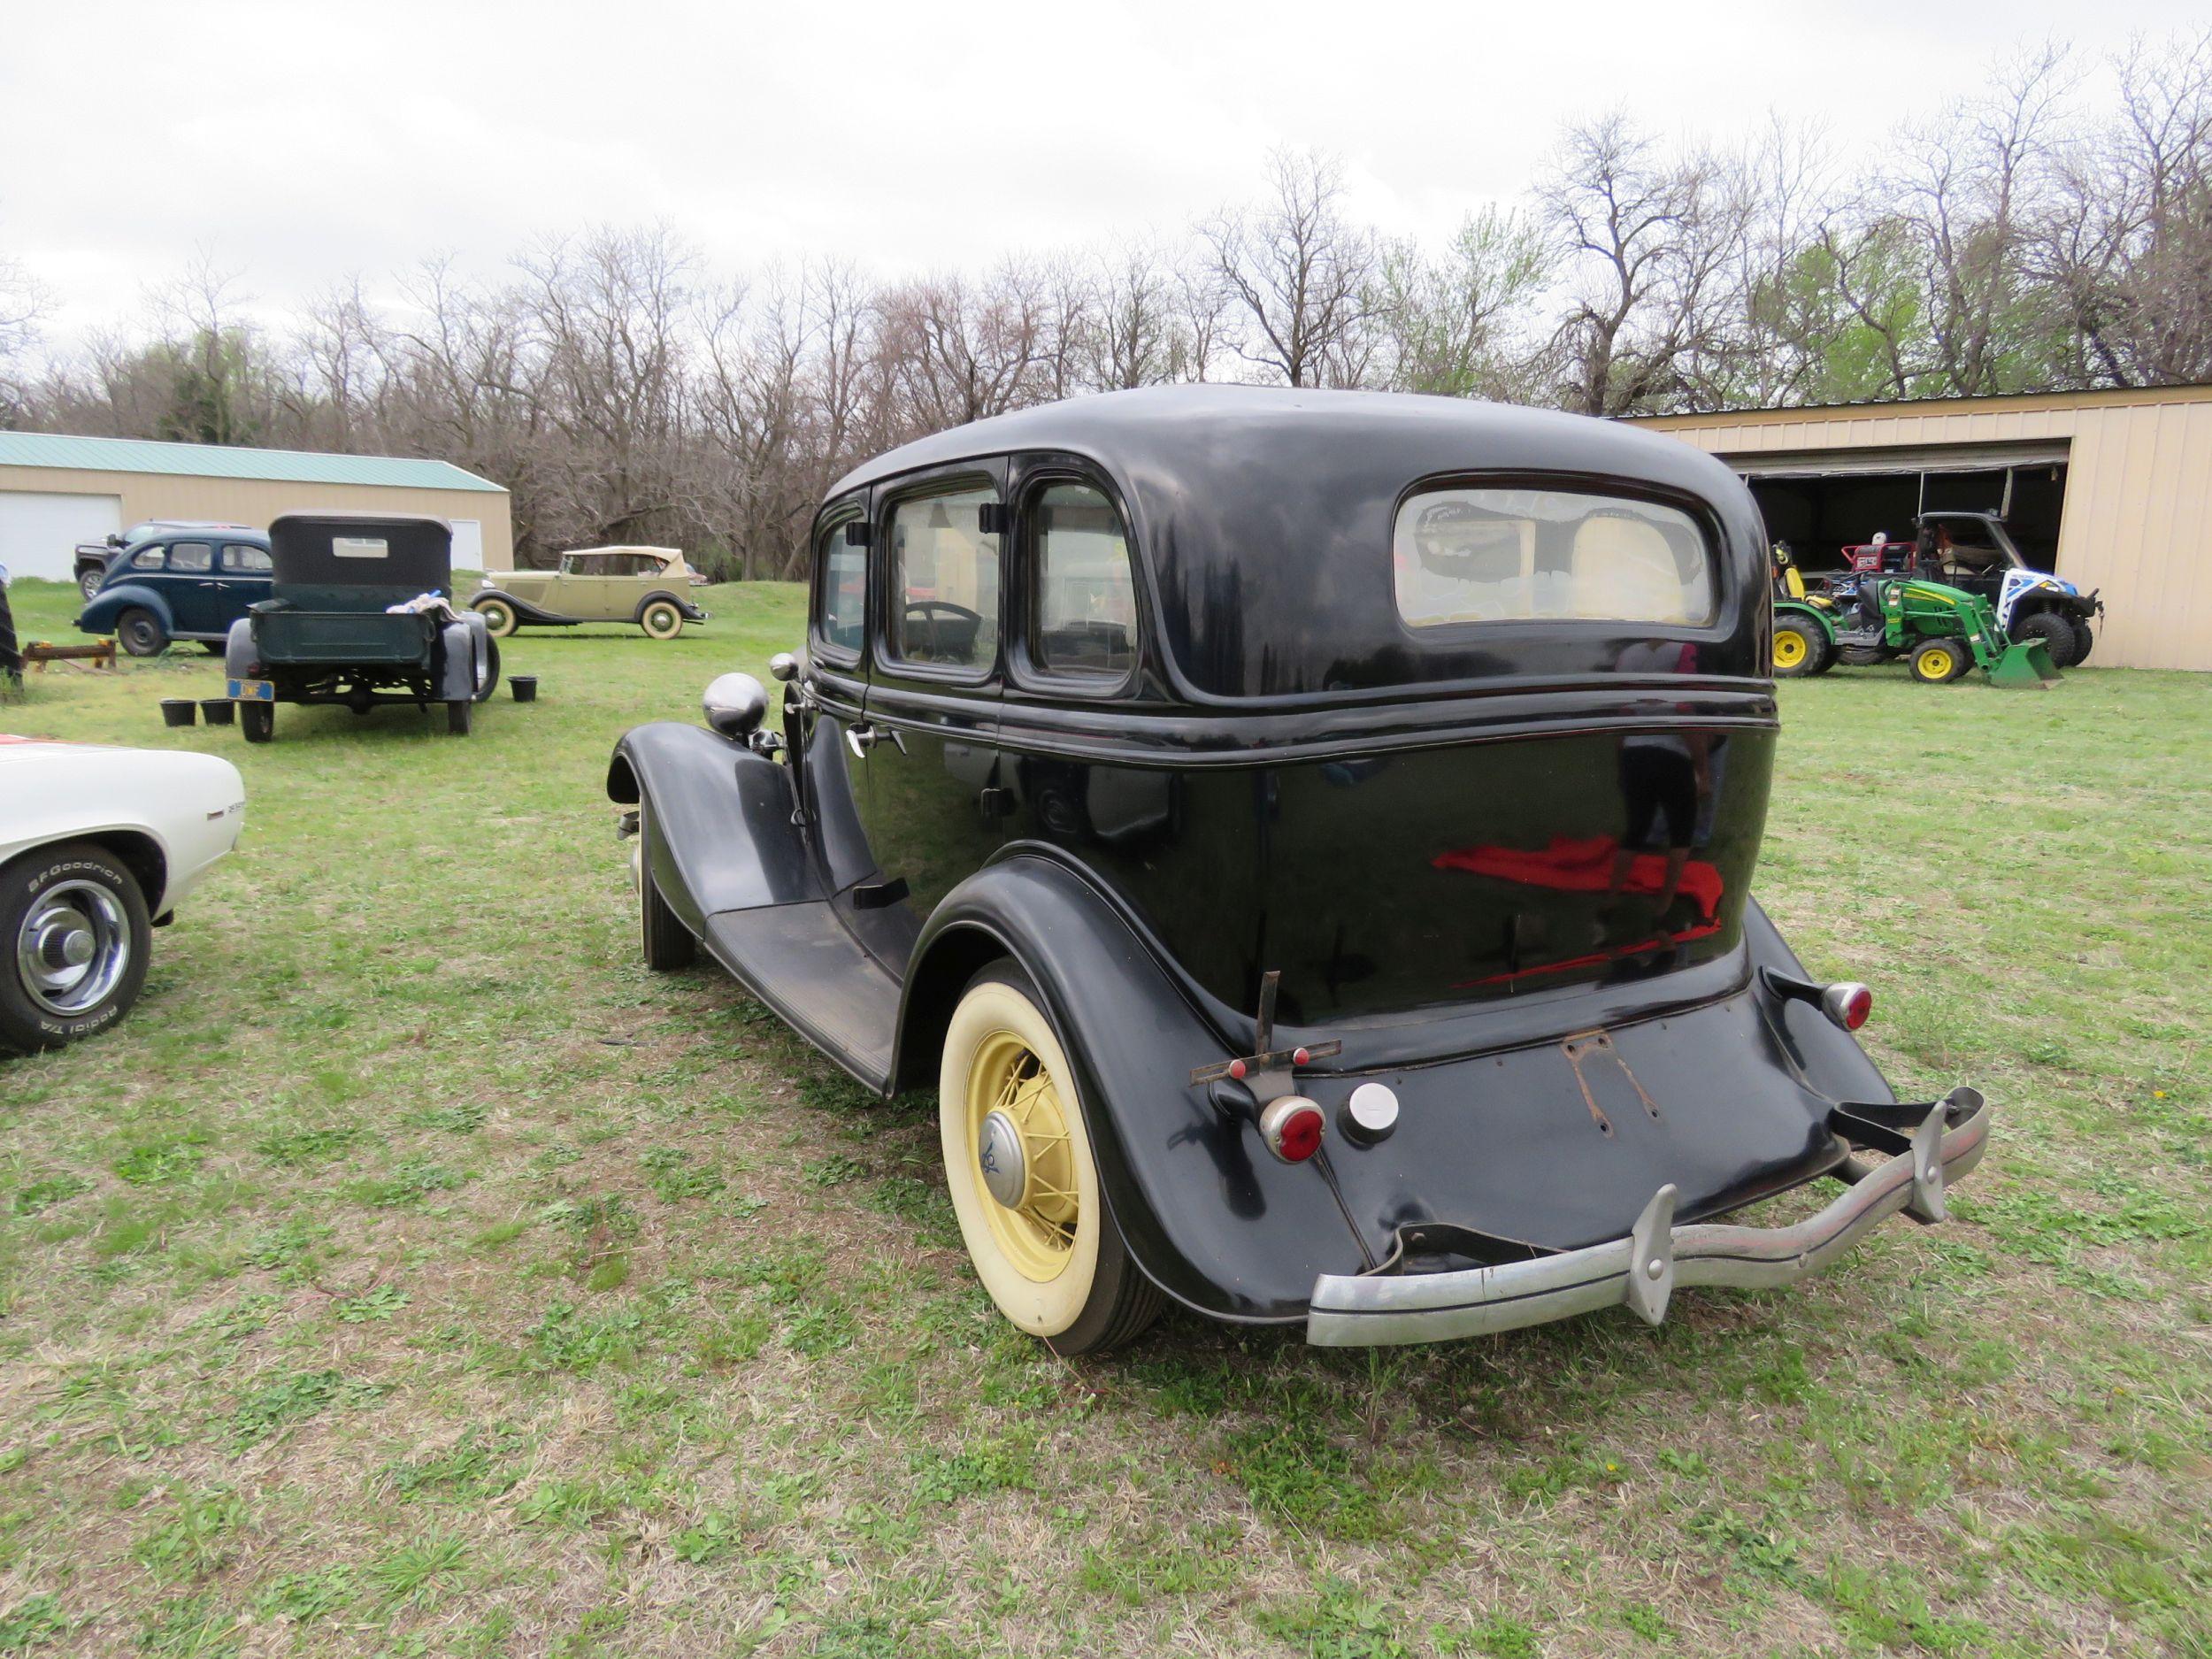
column 1940, row 631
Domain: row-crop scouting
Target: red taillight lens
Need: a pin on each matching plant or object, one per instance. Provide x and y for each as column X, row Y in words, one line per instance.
column 1292, row 1128
column 1847, row 1004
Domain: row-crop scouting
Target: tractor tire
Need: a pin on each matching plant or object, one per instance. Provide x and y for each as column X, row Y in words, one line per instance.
column 1800, row 649
column 1939, row 662
column 2084, row 640
column 2055, row 632
column 1863, row 656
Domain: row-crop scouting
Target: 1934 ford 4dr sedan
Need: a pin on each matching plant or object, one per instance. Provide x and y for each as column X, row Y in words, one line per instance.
column 1306, row 840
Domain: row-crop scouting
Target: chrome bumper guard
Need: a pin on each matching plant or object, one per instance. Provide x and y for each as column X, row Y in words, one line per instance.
column 1643, row 1270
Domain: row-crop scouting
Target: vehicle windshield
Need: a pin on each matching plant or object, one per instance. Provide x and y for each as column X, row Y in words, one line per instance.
column 1492, row 554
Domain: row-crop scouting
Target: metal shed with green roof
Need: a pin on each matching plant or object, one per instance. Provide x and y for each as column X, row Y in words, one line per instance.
column 57, row 490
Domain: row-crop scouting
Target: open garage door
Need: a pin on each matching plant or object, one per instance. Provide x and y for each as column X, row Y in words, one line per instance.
column 1823, row 502
column 39, row 532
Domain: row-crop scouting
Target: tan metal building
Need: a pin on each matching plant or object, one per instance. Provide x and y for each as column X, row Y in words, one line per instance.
column 58, row 491
column 2113, row 487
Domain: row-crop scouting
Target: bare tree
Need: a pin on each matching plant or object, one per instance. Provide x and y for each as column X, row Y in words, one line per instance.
column 1648, row 241
column 1457, row 323
column 2126, row 242
column 1300, row 275
column 23, row 306
column 1964, row 191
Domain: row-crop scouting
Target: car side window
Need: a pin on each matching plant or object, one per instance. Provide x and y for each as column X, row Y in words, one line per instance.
column 1084, row 616
column 242, row 560
column 193, row 557
column 945, row 581
column 843, row 598
column 148, row 558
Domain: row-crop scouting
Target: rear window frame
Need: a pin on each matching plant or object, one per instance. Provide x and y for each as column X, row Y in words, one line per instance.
column 1726, row 596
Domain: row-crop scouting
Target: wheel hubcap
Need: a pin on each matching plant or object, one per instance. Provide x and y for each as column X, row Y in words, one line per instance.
column 1019, row 1134
column 72, row 948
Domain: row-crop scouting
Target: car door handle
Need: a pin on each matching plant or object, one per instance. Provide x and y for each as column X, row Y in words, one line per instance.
column 861, row 739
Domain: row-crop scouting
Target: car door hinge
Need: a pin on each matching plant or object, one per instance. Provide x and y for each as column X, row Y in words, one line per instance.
column 880, row 895
column 991, row 518
column 856, row 532
column 996, row 804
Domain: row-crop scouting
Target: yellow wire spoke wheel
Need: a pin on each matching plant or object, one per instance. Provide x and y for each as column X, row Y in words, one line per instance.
column 1017, row 1159
column 499, row 618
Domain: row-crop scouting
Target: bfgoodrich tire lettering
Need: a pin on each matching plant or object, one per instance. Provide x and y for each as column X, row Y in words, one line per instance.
column 40, row 893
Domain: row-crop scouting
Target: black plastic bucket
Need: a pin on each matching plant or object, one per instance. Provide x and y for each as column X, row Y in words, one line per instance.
column 219, row 710
column 524, row 686
column 178, row 710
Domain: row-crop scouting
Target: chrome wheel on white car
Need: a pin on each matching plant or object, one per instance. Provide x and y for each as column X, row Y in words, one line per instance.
column 76, row 928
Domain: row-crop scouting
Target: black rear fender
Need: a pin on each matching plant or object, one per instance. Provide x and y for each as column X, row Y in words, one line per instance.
column 1188, row 1186
column 717, row 828
column 1508, row 1142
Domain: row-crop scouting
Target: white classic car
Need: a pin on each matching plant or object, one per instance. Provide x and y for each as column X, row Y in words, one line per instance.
column 98, row 846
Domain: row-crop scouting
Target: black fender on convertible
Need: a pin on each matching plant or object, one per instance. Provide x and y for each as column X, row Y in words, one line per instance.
column 684, row 607
column 717, row 824
column 524, row 611
column 1510, row 1129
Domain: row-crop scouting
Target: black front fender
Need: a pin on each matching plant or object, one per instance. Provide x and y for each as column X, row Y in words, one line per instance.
column 717, row 820
column 524, row 611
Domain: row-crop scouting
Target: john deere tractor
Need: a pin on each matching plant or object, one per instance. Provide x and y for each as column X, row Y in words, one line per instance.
column 1940, row 631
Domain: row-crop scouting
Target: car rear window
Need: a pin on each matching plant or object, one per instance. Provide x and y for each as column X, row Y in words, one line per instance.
column 1505, row 555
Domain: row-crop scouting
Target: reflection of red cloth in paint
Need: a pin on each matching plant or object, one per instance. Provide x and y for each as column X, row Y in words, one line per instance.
column 1587, row 866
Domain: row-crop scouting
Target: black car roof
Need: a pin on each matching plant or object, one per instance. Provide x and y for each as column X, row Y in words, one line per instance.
column 1265, row 515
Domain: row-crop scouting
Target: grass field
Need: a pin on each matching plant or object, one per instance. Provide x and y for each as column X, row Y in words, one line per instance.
column 413, row 1274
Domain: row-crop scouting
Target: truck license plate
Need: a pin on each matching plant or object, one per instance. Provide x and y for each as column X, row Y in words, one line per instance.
column 253, row 691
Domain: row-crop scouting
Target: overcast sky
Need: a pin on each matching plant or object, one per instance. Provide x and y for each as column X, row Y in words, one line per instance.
column 298, row 142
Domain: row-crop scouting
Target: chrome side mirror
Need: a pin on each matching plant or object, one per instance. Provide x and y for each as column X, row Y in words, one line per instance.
column 783, row 667
column 734, row 705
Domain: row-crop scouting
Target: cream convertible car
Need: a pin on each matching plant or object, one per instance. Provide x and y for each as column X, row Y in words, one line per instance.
column 644, row 585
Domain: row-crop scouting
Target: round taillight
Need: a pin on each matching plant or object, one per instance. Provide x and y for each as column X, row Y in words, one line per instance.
column 1292, row 1128
column 1847, row 1004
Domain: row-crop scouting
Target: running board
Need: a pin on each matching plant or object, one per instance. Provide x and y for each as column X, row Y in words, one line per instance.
column 802, row 962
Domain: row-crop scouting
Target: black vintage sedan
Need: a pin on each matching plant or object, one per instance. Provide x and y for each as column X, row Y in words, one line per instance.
column 1306, row 840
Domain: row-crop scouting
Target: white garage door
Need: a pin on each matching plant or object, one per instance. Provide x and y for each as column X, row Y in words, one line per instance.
column 468, row 543
column 39, row 533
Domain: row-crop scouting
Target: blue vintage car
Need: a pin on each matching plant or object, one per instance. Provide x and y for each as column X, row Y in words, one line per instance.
column 179, row 584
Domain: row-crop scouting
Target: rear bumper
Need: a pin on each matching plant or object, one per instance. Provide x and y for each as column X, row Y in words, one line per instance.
column 1643, row 1270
